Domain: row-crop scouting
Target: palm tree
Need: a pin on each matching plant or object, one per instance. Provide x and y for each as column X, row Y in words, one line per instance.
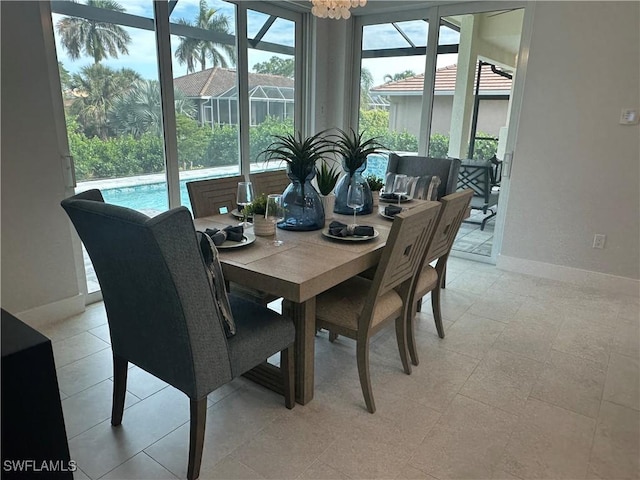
column 98, row 40
column 192, row 51
column 95, row 88
column 138, row 110
column 399, row 76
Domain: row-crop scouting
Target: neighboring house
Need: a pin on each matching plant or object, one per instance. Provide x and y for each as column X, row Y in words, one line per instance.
column 405, row 99
column 216, row 93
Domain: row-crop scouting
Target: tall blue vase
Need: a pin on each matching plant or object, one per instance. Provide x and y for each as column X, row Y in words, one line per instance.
column 303, row 208
column 342, row 189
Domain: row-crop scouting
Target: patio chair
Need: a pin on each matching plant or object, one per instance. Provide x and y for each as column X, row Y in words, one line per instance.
column 359, row 307
column 444, row 168
column 163, row 309
column 483, row 177
column 212, row 196
column 429, row 279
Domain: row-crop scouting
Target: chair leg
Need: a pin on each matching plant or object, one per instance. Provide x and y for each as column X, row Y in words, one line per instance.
column 401, row 337
column 419, row 305
column 362, row 354
column 411, row 335
column 287, row 367
column 120, row 369
column 435, row 307
column 196, row 436
column 332, row 336
column 444, row 276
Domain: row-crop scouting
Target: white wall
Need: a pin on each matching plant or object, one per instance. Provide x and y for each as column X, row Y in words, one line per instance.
column 576, row 170
column 37, row 259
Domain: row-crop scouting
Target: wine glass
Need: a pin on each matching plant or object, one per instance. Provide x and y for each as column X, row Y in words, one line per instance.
column 400, row 184
column 355, row 198
column 244, row 198
column 275, row 213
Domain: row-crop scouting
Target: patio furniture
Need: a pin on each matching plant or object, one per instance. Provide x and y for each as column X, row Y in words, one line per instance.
column 358, row 308
column 483, row 177
column 429, row 279
column 212, row 196
column 271, row 181
column 162, row 312
column 444, row 168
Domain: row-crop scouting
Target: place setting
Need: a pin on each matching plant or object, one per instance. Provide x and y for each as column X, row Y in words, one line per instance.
column 232, row 236
column 351, row 232
column 399, row 190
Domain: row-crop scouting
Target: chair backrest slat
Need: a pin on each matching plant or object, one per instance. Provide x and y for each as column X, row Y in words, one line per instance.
column 445, row 168
column 454, row 209
column 208, row 196
column 272, row 181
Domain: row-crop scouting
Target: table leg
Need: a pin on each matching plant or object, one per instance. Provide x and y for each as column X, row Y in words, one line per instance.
column 304, row 318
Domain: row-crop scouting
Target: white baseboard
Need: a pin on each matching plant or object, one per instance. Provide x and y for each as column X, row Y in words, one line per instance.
column 52, row 312
column 576, row 276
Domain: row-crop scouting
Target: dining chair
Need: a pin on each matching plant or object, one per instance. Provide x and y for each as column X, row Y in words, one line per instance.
column 163, row 309
column 209, row 196
column 446, row 169
column 358, row 307
column 429, row 279
column 271, row 181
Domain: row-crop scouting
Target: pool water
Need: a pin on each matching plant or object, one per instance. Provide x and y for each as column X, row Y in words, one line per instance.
column 152, row 198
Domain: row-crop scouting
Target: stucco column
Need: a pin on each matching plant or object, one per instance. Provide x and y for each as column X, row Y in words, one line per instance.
column 463, row 99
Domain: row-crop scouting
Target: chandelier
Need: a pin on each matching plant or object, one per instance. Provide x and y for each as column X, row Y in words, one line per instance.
column 335, row 8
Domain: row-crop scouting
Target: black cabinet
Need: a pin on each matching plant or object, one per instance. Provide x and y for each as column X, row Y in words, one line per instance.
column 34, row 441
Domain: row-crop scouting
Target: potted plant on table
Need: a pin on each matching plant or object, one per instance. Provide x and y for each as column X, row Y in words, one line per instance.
column 375, row 184
column 303, row 208
column 257, row 209
column 327, row 179
column 354, row 149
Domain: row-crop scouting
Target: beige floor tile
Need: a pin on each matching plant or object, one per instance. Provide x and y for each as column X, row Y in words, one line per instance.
column 367, row 457
column 544, row 312
column 467, row 441
column 230, row 469
column 412, row 473
column 503, row 380
column 518, row 284
column 629, row 307
column 93, row 316
column 472, row 335
column 140, row 466
column 453, row 303
column 424, row 323
column 80, row 475
column 549, row 442
column 623, row 381
column 103, row 447
column 501, row 308
column 90, row 407
column 142, row 384
column 102, row 332
column 478, row 283
column 230, row 423
column 572, row 383
column 585, row 339
column 89, row 371
column 74, row 348
column 616, row 443
column 321, row 471
column 529, row 337
column 626, row 338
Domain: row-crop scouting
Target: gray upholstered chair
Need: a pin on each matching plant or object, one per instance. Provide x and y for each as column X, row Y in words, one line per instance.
column 161, row 311
column 445, row 168
column 358, row 308
column 429, row 279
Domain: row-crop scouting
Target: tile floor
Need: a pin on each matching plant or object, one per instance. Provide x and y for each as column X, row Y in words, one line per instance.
column 471, row 239
column 534, row 380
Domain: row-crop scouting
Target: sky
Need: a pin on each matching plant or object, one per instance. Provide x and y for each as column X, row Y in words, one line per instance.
column 142, row 50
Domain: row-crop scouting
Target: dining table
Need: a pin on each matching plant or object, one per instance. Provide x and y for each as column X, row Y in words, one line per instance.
column 305, row 265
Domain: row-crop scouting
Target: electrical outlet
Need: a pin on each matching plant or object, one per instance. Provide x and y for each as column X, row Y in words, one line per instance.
column 598, row 240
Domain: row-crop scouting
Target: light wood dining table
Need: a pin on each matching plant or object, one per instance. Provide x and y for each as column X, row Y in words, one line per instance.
column 306, row 265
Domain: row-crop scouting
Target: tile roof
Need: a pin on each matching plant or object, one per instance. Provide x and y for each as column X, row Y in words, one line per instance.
column 215, row 81
column 445, row 82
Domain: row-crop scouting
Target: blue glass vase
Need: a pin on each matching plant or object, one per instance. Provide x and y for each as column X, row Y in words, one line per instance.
column 342, row 189
column 303, row 210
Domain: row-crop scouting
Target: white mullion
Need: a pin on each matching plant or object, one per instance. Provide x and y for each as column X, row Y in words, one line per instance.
column 433, row 18
column 243, row 88
column 165, row 76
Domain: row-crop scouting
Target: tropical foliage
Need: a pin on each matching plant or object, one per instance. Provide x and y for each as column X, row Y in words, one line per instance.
column 327, row 178
column 98, row 40
column 354, row 149
column 284, row 67
column 300, row 154
column 399, row 76
column 194, row 51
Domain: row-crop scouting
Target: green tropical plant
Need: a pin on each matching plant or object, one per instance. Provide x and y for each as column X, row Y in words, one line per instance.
column 98, row 40
column 375, row 182
column 327, row 178
column 399, row 76
column 257, row 207
column 300, row 154
column 285, row 67
column 354, row 149
column 194, row 50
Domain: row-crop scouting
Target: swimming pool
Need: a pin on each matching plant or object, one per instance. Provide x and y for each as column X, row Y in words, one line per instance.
column 152, row 197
